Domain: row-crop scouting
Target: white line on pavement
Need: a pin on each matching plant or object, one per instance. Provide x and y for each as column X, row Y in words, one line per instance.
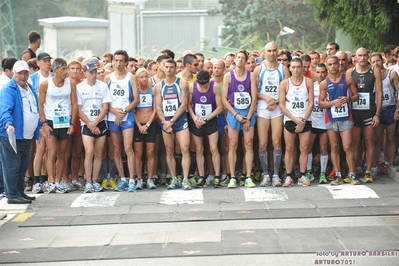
column 172, row 197
column 264, row 194
column 103, row 199
column 348, row 191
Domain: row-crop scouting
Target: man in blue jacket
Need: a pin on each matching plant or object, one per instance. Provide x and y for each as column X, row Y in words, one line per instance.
column 19, row 116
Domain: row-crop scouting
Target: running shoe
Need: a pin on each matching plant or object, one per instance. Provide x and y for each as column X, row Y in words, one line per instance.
column 97, row 187
column 112, row 183
column 368, row 177
column 201, row 182
column 232, row 183
column 139, row 184
column 185, row 185
column 88, row 188
column 304, row 181
column 28, row 184
column 265, row 181
column 322, row 178
column 216, row 183
column 337, row 181
column 347, row 179
column 374, row 172
column 226, row 181
column 309, row 176
column 150, row 184
column 168, row 179
column 385, row 169
column 209, row 180
column 276, row 182
column 132, row 186
column 174, row 184
column 287, row 182
column 193, row 181
column 257, row 176
column 37, row 188
column 249, row 183
column 78, row 184
column 122, row 186
column 67, row 186
column 354, row 180
column 60, row 188
column 105, row 184
column 331, row 176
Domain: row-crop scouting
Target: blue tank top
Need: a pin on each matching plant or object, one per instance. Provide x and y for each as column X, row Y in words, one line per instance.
column 239, row 95
column 170, row 97
column 146, row 99
column 333, row 91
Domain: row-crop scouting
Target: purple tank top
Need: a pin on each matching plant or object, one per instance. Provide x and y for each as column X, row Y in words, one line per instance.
column 204, row 97
column 238, row 86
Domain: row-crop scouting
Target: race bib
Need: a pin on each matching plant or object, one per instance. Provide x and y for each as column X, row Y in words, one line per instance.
column 118, row 93
column 145, row 101
column 363, row 103
column 61, row 116
column 203, row 110
column 242, row 100
column 94, row 112
column 317, row 111
column 170, row 107
column 338, row 112
column 271, row 90
column 298, row 105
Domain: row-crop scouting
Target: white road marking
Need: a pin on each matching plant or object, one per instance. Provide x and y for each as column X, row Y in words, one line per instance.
column 348, row 191
column 103, row 199
column 264, row 194
column 178, row 196
column 14, row 208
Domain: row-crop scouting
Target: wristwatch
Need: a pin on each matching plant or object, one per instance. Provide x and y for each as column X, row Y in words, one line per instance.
column 148, row 125
column 124, row 110
column 304, row 120
column 205, row 119
column 377, row 115
column 73, row 124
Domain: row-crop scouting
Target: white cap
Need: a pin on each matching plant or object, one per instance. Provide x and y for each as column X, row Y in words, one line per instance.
column 20, row 65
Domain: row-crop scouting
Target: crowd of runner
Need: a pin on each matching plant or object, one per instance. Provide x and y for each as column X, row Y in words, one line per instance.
column 268, row 118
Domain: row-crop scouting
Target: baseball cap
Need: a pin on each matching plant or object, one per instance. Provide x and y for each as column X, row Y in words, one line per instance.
column 93, row 61
column 42, row 56
column 20, row 65
column 259, row 59
column 256, row 52
column 89, row 67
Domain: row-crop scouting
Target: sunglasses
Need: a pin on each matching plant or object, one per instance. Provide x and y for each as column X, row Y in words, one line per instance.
column 197, row 64
column 282, row 59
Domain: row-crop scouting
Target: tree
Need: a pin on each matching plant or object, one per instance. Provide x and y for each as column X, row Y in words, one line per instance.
column 264, row 19
column 371, row 24
column 27, row 12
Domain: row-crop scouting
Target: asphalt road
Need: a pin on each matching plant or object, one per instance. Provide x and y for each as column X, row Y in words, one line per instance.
column 263, row 226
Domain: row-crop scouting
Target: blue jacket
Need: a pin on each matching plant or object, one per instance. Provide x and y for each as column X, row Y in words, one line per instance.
column 34, row 81
column 11, row 112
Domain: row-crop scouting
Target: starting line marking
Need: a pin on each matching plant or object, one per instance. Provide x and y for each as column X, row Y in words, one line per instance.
column 348, row 191
column 172, row 197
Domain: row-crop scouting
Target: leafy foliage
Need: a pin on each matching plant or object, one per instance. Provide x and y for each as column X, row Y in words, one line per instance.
column 372, row 24
column 262, row 20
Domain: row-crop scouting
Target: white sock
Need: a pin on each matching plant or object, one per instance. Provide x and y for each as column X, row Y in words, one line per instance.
column 309, row 164
column 323, row 162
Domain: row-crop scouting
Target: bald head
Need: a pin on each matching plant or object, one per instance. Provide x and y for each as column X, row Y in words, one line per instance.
column 342, row 60
column 270, row 52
